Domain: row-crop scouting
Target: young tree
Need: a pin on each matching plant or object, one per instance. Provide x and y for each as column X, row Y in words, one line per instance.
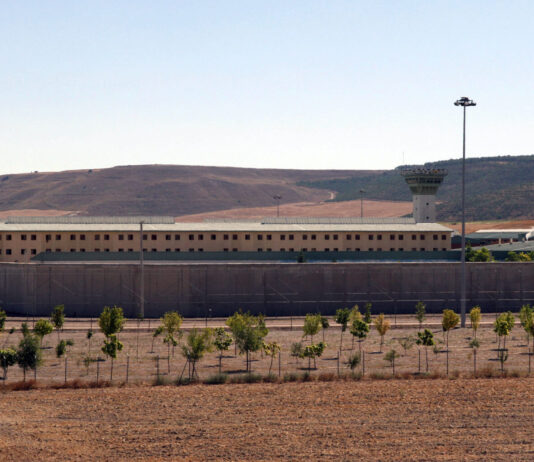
column 3, row 318
column 222, row 341
column 24, row 328
column 61, row 347
column 406, row 343
column 42, row 328
column 475, row 316
column 449, row 321
column 271, row 349
column 312, row 325
column 526, row 317
column 29, row 354
column 58, row 318
column 89, row 337
column 367, row 317
column 382, row 326
column 171, row 323
column 157, row 332
column 248, row 332
column 8, row 357
column 324, row 324
column 198, row 343
column 342, row 318
column 359, row 330
column 111, row 321
column 296, row 351
column 501, row 327
column 312, row 352
column 474, row 344
column 420, row 313
column 390, row 356
column 426, row 339
column 353, row 361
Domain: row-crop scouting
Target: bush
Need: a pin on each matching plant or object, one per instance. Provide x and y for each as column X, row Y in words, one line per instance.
column 216, row 379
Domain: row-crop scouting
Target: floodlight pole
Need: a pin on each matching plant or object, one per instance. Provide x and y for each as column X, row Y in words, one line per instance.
column 464, row 102
column 277, row 198
column 141, row 274
column 361, row 202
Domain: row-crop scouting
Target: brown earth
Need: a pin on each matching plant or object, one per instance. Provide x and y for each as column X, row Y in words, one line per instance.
column 311, row 209
column 35, row 213
column 422, row 420
column 473, row 226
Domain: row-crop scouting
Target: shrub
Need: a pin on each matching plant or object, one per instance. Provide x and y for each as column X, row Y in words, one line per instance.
column 216, row 379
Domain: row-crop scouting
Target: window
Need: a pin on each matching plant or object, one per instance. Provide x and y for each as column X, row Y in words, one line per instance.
column 304, row 237
column 260, row 250
column 73, row 250
column 48, row 250
column 327, row 237
column 414, row 237
column 313, row 237
column 357, row 237
column 336, row 249
column 349, row 237
column 247, row 237
column 225, row 250
column 191, row 250
column 401, row 237
column 168, row 238
column 106, row 237
column 444, row 249
column 435, row 237
column 73, row 237
column 22, row 251
column 120, row 250
column 391, row 249
column 260, row 237
column 422, row 237
column 213, row 237
column 106, row 250
column 82, row 237
column 97, row 237
column 443, row 237
column 83, row 250
column 234, row 237
column 392, row 237
column 121, row 237
column 8, row 237
column 234, row 250
column 130, row 250
column 357, row 249
column 96, row 250
column 145, row 237
column 422, row 249
column 225, row 237
column 33, row 237
column 269, row 237
column 176, row 237
column 282, row 250
column 200, row 237
column 379, row 249
column 435, row 249
column 291, row 237
column 130, row 237
column 176, row 250
column 8, row 251
column 154, row 250
column 282, row 237
column 154, row 237
column 201, row 250
column 191, row 237
column 58, row 237
column 291, row 250
column 23, row 237
column 269, row 250
column 335, row 237
column 379, row 237
column 327, row 249
column 304, row 249
column 314, row 249
column 401, row 249
column 48, row 237
column 371, row 237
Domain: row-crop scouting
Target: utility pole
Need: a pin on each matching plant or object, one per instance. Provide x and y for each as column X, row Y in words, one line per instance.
column 361, row 202
column 277, row 198
column 141, row 274
column 464, row 102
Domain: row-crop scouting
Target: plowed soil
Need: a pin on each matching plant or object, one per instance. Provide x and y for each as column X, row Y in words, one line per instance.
column 463, row 419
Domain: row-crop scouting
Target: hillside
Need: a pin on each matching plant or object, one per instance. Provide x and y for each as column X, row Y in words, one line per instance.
column 162, row 189
column 496, row 188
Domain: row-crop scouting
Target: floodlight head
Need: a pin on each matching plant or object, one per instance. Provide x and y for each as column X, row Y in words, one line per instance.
column 465, row 102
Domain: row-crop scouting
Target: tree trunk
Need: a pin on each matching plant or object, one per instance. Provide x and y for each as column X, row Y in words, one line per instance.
column 246, row 359
column 426, row 357
column 111, row 372
column 271, row 365
column 168, row 358
column 341, row 341
column 474, row 362
column 220, row 362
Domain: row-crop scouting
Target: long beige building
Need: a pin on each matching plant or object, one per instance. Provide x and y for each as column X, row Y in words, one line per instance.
column 25, row 237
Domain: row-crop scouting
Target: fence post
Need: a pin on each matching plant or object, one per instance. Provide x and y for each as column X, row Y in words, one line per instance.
column 279, row 364
column 127, row 367
column 363, row 363
column 338, row 363
column 157, row 368
column 65, row 368
column 97, row 369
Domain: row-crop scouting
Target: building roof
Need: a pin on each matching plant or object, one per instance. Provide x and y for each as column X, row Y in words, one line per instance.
column 287, row 225
column 525, row 246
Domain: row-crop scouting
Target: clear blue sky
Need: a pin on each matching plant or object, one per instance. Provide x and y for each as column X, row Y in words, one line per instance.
column 283, row 84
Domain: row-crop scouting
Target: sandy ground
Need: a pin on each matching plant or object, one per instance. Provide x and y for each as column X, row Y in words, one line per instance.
column 421, row 420
column 312, row 209
column 35, row 213
column 471, row 227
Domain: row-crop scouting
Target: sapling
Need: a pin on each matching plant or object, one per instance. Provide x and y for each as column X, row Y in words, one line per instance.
column 157, row 332
column 312, row 352
column 367, row 316
column 61, row 347
column 197, row 344
column 426, row 339
column 475, row 316
column 271, row 349
column 42, row 328
column 359, row 330
column 406, row 343
column 526, row 317
column 390, row 356
column 222, row 341
column 8, row 357
column 58, row 318
column 474, row 344
column 171, row 323
column 111, row 321
column 296, row 351
column 324, row 324
column 382, row 326
column 312, row 325
column 353, row 361
column 342, row 318
column 29, row 354
column 355, row 315
column 501, row 327
column 420, row 313
column 449, row 321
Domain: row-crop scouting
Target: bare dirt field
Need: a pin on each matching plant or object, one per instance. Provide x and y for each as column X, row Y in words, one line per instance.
column 416, row 420
column 471, row 227
column 311, row 209
column 35, row 213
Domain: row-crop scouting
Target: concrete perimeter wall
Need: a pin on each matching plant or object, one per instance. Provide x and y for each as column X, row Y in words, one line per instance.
column 271, row 288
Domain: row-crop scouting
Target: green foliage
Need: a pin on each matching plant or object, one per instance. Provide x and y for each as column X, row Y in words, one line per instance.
column 354, row 360
column 221, row 339
column 367, row 316
column 407, row 342
column 198, row 342
column 248, row 332
column 449, row 320
column 420, row 313
column 42, row 328
column 58, row 316
column 112, row 346
column 25, row 329
column 314, row 351
column 519, row 257
column 475, row 316
column 3, row 318
column 342, row 318
column 29, row 353
column 8, row 357
column 61, row 347
column 382, row 326
column 355, row 314
column 297, row 350
column 171, row 323
column 509, row 317
column 501, row 326
column 324, row 322
column 359, row 328
column 391, row 355
column 312, row 325
column 425, row 338
column 111, row 320
column 480, row 255
column 526, row 316
column 89, row 334
column 474, row 344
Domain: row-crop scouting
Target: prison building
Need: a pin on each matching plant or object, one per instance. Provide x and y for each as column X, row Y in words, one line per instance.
column 23, row 238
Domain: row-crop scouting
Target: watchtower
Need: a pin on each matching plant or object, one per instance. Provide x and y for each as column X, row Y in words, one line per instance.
column 424, row 184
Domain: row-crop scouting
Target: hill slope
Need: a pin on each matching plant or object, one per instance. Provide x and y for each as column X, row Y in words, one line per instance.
column 496, row 188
